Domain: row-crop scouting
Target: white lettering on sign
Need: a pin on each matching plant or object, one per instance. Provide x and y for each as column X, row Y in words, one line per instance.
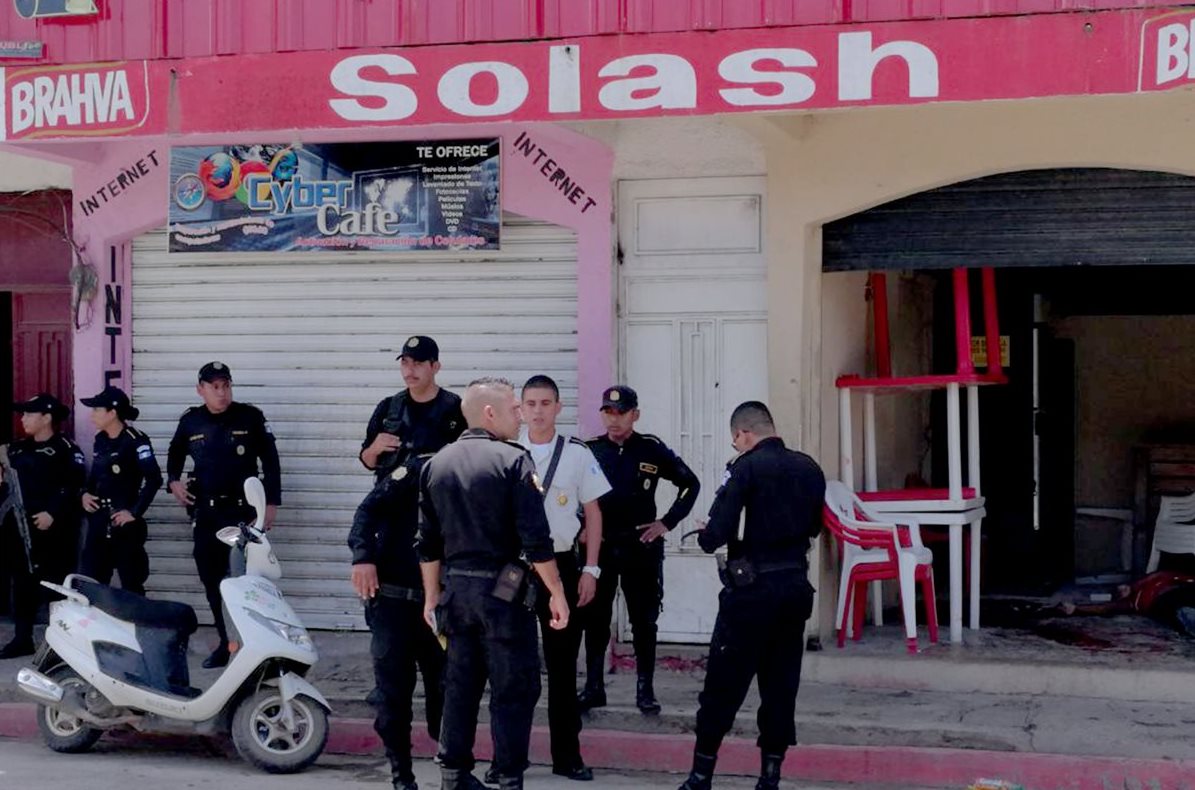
column 564, row 79
column 672, row 85
column 391, row 101
column 78, row 99
column 742, row 68
column 759, row 77
column 1174, row 59
column 457, row 83
column 857, row 62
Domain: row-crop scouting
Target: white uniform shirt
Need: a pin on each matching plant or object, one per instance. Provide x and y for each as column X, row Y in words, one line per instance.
column 578, row 479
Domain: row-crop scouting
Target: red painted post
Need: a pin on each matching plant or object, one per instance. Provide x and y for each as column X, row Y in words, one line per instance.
column 962, row 322
column 879, row 306
column 991, row 321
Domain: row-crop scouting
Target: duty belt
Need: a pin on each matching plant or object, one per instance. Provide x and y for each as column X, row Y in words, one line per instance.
column 471, row 573
column 400, row 593
column 216, row 501
column 772, row 567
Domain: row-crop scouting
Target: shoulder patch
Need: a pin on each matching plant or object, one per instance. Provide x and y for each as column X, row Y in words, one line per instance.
column 145, row 452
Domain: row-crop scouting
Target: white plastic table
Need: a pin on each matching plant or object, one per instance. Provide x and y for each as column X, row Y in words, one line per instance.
column 954, row 507
column 954, row 514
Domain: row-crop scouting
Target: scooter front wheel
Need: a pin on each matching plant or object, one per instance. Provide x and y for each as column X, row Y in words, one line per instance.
column 63, row 732
column 263, row 739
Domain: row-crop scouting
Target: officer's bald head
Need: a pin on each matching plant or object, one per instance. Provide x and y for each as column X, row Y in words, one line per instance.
column 490, row 403
column 750, row 422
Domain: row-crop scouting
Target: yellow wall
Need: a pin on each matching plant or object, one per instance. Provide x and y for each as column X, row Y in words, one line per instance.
column 821, row 167
column 1132, row 374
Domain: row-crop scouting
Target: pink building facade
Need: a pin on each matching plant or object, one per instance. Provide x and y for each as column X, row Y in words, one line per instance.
column 684, row 155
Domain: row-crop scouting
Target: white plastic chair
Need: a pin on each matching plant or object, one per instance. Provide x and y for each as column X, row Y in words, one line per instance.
column 1171, row 534
column 914, row 562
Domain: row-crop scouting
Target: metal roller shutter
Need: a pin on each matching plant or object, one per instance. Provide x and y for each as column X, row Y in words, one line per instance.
column 1057, row 217
column 311, row 340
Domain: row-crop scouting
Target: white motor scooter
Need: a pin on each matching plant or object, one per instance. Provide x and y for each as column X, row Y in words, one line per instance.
column 113, row 658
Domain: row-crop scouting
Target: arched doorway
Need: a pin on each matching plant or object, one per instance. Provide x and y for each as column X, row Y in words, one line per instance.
column 1095, row 271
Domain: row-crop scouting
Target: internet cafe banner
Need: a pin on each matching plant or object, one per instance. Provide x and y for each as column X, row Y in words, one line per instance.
column 395, row 196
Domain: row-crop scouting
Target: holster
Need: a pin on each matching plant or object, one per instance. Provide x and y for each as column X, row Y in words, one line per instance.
column 736, row 574
column 516, row 584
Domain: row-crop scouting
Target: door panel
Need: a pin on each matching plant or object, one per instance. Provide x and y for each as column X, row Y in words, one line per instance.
column 41, row 347
column 693, row 343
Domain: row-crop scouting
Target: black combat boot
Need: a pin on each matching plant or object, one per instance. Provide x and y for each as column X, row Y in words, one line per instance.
column 645, row 696
column 218, row 658
column 491, row 775
column 593, row 695
column 402, row 774
column 18, row 647
column 702, row 775
column 454, row 779
column 769, row 771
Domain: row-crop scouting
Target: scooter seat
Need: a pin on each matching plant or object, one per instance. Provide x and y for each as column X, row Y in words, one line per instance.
column 137, row 609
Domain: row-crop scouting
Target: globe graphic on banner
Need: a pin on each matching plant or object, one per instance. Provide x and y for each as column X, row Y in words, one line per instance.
column 221, row 175
column 248, row 168
column 285, row 164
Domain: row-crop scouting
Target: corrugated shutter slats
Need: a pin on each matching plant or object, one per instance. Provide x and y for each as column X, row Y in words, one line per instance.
column 311, row 339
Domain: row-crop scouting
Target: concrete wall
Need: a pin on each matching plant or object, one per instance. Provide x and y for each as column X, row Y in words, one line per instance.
column 678, row 147
column 1134, row 375
column 20, row 173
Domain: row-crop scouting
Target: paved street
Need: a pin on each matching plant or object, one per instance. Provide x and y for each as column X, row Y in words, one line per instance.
column 26, row 765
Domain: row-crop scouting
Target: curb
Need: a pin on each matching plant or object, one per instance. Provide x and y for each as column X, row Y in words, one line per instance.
column 924, row 767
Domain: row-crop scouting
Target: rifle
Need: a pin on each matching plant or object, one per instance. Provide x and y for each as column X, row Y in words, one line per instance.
column 14, row 503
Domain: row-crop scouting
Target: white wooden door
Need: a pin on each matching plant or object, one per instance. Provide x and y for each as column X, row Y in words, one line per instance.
column 693, row 343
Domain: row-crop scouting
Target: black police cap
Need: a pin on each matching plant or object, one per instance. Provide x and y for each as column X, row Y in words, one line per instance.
column 43, row 403
column 620, row 397
column 214, row 371
column 420, row 348
column 113, row 398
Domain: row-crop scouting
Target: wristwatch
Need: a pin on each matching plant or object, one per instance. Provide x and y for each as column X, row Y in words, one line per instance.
column 592, row 570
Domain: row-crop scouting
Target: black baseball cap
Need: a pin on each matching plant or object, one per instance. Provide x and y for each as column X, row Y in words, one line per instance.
column 214, row 371
column 113, row 398
column 620, row 397
column 43, row 403
column 420, row 348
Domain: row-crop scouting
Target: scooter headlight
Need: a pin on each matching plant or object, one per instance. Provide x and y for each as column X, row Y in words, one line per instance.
column 295, row 634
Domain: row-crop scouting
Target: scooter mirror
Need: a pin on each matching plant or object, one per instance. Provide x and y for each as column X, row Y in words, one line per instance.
column 255, row 495
column 229, row 535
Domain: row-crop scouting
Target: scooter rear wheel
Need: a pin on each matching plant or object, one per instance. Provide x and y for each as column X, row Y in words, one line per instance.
column 263, row 740
column 61, row 731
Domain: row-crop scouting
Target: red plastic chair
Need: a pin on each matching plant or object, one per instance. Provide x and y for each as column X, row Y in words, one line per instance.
column 874, row 550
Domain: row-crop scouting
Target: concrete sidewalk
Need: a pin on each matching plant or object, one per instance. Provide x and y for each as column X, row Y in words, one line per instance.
column 867, row 713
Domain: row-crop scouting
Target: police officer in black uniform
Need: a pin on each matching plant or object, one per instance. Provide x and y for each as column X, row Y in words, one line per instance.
column 51, row 470
column 419, row 419
column 767, row 597
column 386, row 576
column 633, row 547
column 481, row 508
column 124, row 478
column 226, row 440
column 404, row 431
